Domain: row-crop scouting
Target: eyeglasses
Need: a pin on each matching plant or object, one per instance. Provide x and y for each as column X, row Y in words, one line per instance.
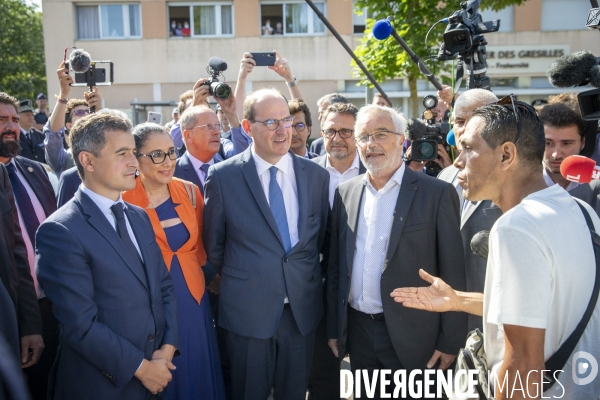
column 80, row 113
column 210, row 126
column 273, row 124
column 159, row 156
column 378, row 136
column 344, row 133
column 299, row 127
column 505, row 101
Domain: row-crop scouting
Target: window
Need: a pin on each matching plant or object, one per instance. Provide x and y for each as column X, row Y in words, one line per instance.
column 359, row 21
column 506, row 17
column 200, row 20
column 554, row 17
column 114, row 21
column 290, row 19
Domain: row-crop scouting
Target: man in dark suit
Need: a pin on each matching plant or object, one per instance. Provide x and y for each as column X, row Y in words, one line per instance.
column 385, row 226
column 264, row 222
column 31, row 140
column 111, row 291
column 17, row 276
column 67, row 186
column 475, row 216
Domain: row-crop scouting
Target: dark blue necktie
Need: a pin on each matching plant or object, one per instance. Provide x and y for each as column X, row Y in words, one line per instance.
column 24, row 203
column 278, row 209
column 204, row 168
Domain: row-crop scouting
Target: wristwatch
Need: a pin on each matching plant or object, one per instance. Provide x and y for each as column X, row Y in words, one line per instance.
column 293, row 83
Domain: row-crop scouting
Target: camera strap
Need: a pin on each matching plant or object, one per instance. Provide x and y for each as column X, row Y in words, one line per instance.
column 558, row 360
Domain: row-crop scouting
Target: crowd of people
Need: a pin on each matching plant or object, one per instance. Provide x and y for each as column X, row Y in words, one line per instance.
column 222, row 257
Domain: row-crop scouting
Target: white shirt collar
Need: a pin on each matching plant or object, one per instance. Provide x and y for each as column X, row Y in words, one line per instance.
column 550, row 182
column 197, row 163
column 396, row 178
column 103, row 203
column 355, row 163
column 285, row 163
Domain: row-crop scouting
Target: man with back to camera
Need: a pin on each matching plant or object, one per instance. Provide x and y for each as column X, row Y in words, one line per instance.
column 475, row 216
column 384, row 226
column 265, row 219
column 539, row 279
column 118, row 336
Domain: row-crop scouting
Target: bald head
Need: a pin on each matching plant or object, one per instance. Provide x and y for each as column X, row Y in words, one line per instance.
column 258, row 96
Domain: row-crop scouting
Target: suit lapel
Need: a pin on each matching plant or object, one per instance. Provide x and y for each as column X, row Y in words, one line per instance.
column 405, row 197
column 302, row 187
column 354, row 200
column 470, row 210
column 101, row 224
column 27, row 170
column 361, row 167
column 136, row 224
column 190, row 173
column 249, row 171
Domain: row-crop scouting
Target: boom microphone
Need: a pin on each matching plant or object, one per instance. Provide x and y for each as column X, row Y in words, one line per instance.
column 577, row 69
column 217, row 64
column 579, row 169
column 80, row 60
column 415, row 129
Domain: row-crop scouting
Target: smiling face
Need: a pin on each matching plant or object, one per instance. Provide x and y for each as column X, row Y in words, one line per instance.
column 158, row 174
column 383, row 156
column 270, row 145
column 9, row 132
column 561, row 143
column 338, row 147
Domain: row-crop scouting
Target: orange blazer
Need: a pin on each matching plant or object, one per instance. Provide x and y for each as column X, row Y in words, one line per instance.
column 191, row 255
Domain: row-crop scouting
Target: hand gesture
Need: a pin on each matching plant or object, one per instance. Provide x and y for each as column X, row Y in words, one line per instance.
column 439, row 297
column 247, row 64
column 93, row 99
column 64, row 80
column 282, row 67
column 201, row 92
column 155, row 375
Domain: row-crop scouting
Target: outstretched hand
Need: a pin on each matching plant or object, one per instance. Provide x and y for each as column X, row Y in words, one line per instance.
column 438, row 297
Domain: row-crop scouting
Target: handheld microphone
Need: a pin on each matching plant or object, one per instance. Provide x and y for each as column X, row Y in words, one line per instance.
column 579, row 169
column 217, row 64
column 383, row 29
column 480, row 243
column 80, row 60
column 577, row 69
column 451, row 138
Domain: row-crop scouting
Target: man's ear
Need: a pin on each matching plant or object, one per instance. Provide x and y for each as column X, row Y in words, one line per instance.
column 185, row 134
column 86, row 160
column 582, row 143
column 246, row 125
column 508, row 155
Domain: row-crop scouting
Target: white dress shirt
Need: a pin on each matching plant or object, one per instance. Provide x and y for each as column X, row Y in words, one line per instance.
column 550, row 182
column 336, row 177
column 41, row 216
column 197, row 164
column 286, row 178
column 375, row 219
column 104, row 204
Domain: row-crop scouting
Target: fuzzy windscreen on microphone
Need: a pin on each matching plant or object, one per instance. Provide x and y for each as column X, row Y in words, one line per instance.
column 577, row 69
column 80, row 60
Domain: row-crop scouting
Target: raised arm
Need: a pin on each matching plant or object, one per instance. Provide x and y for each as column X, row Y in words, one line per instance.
column 282, row 67
column 247, row 64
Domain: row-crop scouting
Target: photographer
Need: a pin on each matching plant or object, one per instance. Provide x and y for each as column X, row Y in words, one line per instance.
column 65, row 114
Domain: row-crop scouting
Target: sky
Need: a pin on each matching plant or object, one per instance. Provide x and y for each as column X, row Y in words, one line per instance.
column 37, row 2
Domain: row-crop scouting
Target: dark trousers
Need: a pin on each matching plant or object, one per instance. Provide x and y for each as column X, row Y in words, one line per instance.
column 281, row 362
column 222, row 343
column 370, row 348
column 37, row 375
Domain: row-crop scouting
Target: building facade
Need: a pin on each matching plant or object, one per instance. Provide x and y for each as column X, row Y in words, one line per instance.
column 160, row 48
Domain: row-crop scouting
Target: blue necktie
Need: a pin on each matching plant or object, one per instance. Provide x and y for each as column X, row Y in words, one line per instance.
column 24, row 203
column 204, row 168
column 278, row 209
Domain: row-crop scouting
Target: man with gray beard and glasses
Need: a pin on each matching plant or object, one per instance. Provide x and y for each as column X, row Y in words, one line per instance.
column 385, row 226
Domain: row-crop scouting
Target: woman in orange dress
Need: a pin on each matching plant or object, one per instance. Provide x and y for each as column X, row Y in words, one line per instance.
column 175, row 210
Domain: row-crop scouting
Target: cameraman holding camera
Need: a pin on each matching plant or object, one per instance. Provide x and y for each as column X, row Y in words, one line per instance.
column 65, row 114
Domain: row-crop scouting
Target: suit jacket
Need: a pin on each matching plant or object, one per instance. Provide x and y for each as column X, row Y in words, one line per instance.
column 322, row 161
column 37, row 177
column 590, row 193
column 67, row 186
column 33, row 148
column 425, row 234
column 243, row 243
column 15, row 273
column 112, row 315
column 480, row 216
column 318, row 146
column 12, row 385
column 185, row 170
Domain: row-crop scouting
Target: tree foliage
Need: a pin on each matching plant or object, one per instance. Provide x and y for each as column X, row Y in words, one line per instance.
column 22, row 66
column 412, row 19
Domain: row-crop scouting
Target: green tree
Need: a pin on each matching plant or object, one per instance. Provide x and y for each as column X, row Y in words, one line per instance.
column 22, row 66
column 412, row 19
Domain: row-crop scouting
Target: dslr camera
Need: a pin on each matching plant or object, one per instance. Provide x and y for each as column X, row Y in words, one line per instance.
column 221, row 90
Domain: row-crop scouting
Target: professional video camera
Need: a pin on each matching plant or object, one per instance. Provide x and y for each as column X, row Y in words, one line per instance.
column 464, row 38
column 216, row 66
column 425, row 136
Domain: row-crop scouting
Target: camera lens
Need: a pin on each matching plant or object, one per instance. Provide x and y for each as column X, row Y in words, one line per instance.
column 426, row 150
column 430, row 101
column 220, row 90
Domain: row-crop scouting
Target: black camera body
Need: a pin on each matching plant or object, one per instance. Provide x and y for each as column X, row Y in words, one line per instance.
column 221, row 90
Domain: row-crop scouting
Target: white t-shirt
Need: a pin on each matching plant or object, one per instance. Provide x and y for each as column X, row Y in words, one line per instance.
column 540, row 274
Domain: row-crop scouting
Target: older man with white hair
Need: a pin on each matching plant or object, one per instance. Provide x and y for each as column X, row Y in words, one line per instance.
column 385, row 226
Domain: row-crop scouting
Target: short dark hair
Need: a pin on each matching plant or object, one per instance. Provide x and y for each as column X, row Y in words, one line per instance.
column 560, row 115
column 298, row 105
column 6, row 98
column 89, row 134
column 142, row 132
column 501, row 126
column 341, row 108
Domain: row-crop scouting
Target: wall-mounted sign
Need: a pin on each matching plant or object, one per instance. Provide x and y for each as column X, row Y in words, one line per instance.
column 525, row 60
